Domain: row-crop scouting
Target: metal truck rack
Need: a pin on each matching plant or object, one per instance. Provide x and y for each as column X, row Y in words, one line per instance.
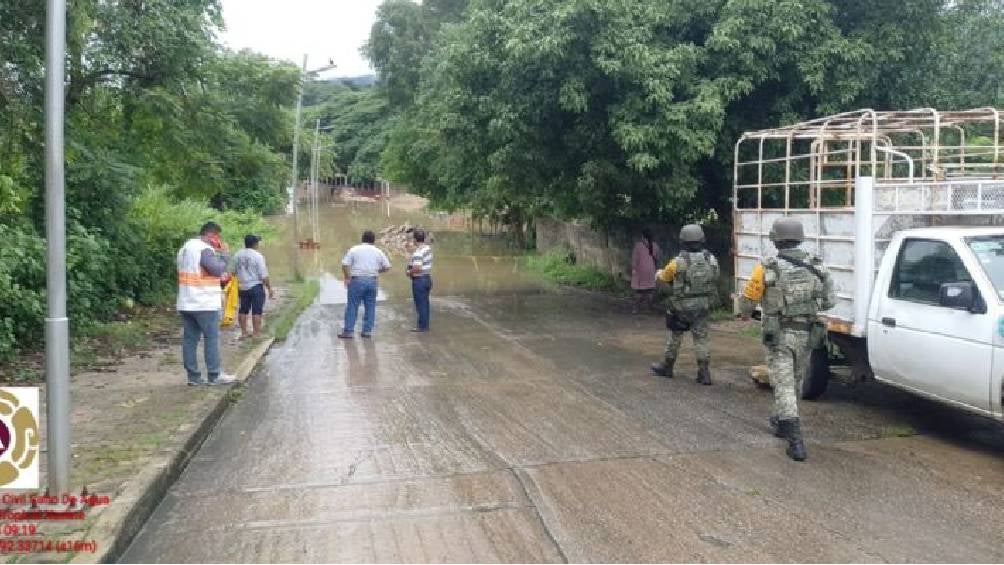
column 864, row 172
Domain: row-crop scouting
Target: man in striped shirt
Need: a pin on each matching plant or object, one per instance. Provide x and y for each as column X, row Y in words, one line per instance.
column 420, row 271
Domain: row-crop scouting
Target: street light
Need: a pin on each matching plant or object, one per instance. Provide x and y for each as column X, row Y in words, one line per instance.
column 315, row 167
column 57, row 346
column 296, row 151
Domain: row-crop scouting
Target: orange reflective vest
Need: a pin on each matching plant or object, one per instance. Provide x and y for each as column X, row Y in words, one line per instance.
column 198, row 291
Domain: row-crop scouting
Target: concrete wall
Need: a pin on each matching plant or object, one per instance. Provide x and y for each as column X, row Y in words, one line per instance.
column 610, row 250
column 590, row 246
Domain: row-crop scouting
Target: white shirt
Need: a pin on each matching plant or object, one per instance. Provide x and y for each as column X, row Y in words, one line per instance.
column 250, row 268
column 365, row 260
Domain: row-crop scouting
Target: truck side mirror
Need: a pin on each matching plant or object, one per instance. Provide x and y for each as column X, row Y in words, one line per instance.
column 959, row 296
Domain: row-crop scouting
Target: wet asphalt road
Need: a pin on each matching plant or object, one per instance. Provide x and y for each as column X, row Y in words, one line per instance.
column 525, row 427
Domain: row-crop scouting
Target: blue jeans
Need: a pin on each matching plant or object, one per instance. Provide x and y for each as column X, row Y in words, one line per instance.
column 198, row 324
column 361, row 290
column 421, row 287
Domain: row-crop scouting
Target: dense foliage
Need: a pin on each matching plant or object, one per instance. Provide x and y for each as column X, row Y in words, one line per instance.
column 355, row 122
column 625, row 111
column 405, row 31
column 164, row 130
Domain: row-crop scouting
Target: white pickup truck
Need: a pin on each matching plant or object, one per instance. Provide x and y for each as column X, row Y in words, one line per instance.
column 908, row 219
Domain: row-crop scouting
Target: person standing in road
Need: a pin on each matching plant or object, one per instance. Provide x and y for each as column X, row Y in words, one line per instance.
column 792, row 288
column 644, row 259
column 420, row 272
column 361, row 267
column 693, row 276
column 201, row 262
column 252, row 282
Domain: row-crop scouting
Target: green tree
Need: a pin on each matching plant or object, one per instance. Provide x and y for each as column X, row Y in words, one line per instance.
column 152, row 101
column 404, row 32
column 626, row 111
column 966, row 66
column 356, row 120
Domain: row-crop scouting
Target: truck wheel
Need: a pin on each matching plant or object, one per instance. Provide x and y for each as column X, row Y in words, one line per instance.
column 814, row 383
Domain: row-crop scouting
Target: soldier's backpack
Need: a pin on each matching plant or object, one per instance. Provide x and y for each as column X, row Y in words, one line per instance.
column 792, row 288
column 695, row 286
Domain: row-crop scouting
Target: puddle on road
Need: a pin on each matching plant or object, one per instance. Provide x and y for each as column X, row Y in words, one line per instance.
column 465, row 263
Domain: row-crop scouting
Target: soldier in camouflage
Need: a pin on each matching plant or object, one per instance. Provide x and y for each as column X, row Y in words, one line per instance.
column 693, row 276
column 792, row 287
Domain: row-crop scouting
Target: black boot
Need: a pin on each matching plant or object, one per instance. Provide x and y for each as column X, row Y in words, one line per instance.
column 664, row 369
column 704, row 372
column 775, row 427
column 792, row 430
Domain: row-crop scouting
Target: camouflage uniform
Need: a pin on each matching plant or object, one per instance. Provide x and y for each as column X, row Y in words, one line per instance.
column 788, row 354
column 793, row 287
column 699, row 332
column 693, row 276
column 691, row 300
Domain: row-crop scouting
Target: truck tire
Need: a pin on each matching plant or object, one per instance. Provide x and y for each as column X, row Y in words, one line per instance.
column 818, row 377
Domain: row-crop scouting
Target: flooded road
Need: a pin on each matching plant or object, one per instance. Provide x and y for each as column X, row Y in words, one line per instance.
column 466, row 263
column 525, row 427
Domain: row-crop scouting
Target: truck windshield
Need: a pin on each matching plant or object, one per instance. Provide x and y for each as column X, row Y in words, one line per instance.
column 989, row 250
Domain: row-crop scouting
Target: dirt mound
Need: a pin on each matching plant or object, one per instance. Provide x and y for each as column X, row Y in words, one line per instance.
column 398, row 239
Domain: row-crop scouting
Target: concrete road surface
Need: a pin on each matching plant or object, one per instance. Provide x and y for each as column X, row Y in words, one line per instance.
column 525, row 427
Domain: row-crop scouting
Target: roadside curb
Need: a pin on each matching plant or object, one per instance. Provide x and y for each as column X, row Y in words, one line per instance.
column 119, row 523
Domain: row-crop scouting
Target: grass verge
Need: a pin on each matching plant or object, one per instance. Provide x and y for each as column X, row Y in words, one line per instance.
column 559, row 267
column 304, row 294
column 99, row 344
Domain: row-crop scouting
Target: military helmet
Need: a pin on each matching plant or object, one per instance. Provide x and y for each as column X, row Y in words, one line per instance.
column 691, row 233
column 787, row 229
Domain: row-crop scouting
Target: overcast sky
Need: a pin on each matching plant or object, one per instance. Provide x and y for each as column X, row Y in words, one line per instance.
column 286, row 29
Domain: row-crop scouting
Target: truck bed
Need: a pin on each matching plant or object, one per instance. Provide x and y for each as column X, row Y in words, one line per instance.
column 832, row 232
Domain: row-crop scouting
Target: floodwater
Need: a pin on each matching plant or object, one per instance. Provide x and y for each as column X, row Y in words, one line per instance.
column 466, row 263
column 525, row 428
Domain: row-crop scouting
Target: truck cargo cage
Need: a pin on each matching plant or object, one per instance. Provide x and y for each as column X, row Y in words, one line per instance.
column 864, row 172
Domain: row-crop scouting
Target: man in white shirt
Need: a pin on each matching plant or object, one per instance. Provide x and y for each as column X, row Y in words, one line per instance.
column 362, row 267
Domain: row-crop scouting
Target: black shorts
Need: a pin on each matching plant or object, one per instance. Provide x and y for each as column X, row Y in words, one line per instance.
column 252, row 300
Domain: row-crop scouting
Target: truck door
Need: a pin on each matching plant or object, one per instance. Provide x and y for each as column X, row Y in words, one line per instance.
column 915, row 342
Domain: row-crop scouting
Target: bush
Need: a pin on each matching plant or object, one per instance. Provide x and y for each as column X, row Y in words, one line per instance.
column 90, row 284
column 22, row 283
column 162, row 225
column 136, row 261
column 560, row 267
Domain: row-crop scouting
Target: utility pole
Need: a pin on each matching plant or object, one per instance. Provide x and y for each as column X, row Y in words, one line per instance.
column 296, row 173
column 315, row 165
column 296, row 152
column 57, row 345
